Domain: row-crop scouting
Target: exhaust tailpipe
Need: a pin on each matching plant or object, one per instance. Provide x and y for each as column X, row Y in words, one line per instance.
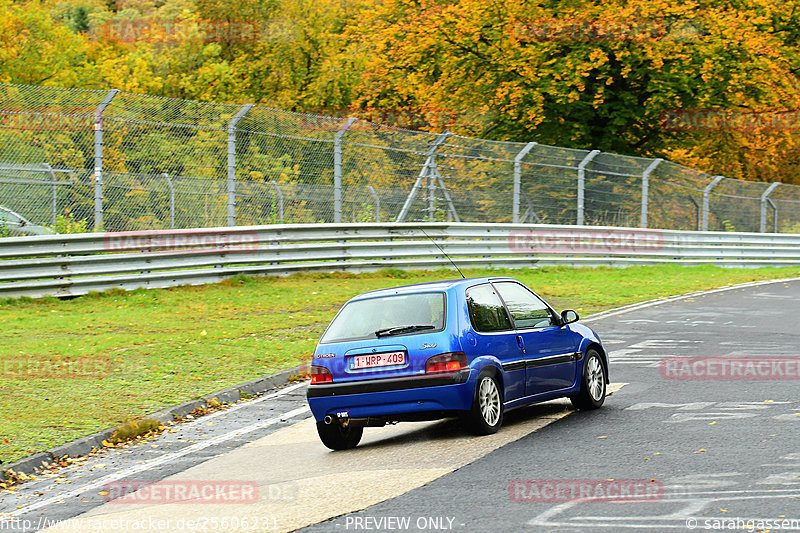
column 328, row 420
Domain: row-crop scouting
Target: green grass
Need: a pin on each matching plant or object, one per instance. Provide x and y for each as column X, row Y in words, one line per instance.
column 116, row 356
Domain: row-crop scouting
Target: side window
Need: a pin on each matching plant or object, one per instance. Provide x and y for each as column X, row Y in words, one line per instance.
column 527, row 310
column 486, row 310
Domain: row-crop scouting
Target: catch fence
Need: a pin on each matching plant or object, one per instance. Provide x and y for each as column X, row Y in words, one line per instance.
column 118, row 161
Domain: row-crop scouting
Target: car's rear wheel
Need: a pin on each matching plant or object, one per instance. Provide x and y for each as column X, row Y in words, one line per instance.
column 486, row 415
column 593, row 384
column 337, row 437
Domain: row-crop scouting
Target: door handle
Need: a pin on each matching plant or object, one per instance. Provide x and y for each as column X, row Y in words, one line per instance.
column 521, row 343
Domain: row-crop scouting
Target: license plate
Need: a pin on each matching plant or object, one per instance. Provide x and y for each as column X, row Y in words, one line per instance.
column 374, row 360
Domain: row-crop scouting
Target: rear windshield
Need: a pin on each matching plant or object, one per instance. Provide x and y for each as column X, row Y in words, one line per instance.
column 387, row 316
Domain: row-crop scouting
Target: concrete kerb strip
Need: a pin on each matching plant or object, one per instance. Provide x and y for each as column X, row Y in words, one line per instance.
column 85, row 445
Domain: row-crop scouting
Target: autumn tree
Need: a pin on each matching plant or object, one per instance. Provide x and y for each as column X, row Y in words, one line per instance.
column 584, row 74
column 36, row 49
column 615, row 76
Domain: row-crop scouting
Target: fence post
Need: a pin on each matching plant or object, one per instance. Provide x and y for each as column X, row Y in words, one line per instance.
column 447, row 198
column 518, row 179
column 54, row 200
column 98, row 158
column 764, row 198
column 377, row 200
column 171, row 200
column 707, row 199
column 774, row 215
column 697, row 217
column 582, row 182
column 431, row 191
column 430, row 162
column 232, row 162
column 279, row 195
column 337, row 169
column 646, row 189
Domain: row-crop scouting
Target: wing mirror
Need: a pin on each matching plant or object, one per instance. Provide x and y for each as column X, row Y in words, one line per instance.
column 568, row 317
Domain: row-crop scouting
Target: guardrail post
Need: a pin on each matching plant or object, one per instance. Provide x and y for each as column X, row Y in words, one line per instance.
column 171, row 200
column 232, row 162
column 764, row 198
column 518, row 180
column 98, row 158
column 582, row 183
column 377, row 201
column 279, row 194
column 707, row 199
column 337, row 169
column 430, row 162
column 646, row 189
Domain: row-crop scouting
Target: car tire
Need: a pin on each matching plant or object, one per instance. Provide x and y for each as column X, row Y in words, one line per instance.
column 486, row 415
column 592, row 393
column 337, row 437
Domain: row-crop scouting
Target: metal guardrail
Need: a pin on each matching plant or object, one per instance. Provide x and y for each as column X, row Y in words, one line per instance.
column 70, row 265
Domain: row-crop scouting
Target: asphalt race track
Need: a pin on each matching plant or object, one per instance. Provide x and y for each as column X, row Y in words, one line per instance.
column 715, row 452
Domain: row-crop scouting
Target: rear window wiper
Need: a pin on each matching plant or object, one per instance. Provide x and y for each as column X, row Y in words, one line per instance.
column 401, row 329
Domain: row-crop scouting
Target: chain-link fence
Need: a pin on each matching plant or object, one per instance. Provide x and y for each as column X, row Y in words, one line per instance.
column 121, row 161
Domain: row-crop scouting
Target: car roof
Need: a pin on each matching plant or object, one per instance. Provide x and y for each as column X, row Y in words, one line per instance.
column 7, row 210
column 430, row 286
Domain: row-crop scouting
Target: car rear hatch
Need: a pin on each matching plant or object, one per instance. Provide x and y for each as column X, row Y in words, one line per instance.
column 389, row 336
column 381, row 358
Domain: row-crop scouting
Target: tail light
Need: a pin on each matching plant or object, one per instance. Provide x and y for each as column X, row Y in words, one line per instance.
column 446, row 362
column 320, row 374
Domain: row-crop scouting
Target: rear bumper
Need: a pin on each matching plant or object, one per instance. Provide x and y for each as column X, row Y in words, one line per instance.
column 392, row 396
column 387, row 384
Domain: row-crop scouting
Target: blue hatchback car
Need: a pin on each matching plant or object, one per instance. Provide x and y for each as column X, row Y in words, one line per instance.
column 472, row 348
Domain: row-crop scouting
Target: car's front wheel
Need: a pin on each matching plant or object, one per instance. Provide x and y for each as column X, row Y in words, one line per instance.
column 486, row 415
column 593, row 384
column 337, row 437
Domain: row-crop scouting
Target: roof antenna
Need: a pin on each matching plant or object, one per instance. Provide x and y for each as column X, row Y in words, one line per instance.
column 443, row 253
